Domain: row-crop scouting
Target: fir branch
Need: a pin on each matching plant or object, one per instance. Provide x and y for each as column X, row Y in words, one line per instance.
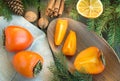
column 108, row 22
column 111, row 33
column 68, row 3
column 117, row 49
column 74, row 14
column 5, row 11
column 91, row 24
column 72, row 9
column 116, row 2
column 42, row 6
column 106, row 3
column 117, row 11
column 114, row 32
column 99, row 24
column 117, row 32
column 61, row 72
column 30, row 3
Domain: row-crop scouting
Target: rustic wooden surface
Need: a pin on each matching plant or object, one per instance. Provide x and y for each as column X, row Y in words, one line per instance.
column 85, row 39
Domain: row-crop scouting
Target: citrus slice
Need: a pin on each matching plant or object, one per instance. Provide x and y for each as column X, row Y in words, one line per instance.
column 90, row 8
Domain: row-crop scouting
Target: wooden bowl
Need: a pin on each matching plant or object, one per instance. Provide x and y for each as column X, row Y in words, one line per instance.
column 85, row 39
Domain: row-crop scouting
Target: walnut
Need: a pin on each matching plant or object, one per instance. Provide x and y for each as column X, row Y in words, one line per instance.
column 31, row 16
column 43, row 22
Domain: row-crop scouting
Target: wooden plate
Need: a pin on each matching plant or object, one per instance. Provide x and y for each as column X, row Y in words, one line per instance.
column 85, row 39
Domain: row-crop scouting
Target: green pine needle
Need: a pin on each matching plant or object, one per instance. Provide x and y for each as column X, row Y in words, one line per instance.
column 4, row 10
column 73, row 14
column 70, row 3
column 61, row 72
column 30, row 3
column 42, row 6
column 72, row 9
column 111, row 33
column 117, row 10
column 108, row 22
column 7, row 13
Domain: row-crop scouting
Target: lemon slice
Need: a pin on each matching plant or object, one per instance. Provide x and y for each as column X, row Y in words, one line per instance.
column 90, row 8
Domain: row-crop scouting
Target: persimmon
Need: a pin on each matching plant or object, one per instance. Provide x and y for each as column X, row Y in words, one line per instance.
column 17, row 38
column 60, row 30
column 70, row 45
column 90, row 61
column 27, row 63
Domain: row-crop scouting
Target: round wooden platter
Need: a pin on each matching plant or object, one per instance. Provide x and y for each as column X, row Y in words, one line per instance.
column 85, row 39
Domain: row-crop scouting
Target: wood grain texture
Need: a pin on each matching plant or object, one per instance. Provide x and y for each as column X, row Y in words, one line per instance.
column 85, row 39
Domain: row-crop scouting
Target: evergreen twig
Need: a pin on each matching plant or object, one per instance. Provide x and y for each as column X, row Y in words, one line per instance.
column 30, row 3
column 7, row 13
column 42, row 6
column 108, row 22
column 61, row 72
column 111, row 33
column 72, row 9
column 4, row 10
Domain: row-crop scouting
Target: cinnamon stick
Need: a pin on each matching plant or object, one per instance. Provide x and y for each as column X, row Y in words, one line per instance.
column 50, row 6
column 47, row 12
column 51, row 12
column 61, row 7
column 51, row 3
column 56, row 7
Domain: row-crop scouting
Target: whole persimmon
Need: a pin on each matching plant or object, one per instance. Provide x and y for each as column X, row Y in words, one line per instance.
column 17, row 38
column 27, row 63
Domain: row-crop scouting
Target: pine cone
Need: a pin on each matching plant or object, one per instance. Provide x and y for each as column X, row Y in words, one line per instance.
column 16, row 6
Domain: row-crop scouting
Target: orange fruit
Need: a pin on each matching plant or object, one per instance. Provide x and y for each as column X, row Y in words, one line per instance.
column 90, row 8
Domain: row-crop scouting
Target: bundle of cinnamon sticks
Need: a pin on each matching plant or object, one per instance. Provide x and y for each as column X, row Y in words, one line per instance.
column 55, row 8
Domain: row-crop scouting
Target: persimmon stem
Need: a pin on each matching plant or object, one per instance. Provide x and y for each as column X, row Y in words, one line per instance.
column 102, row 58
column 37, row 68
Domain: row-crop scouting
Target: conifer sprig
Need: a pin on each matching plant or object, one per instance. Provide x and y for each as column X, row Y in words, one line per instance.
column 7, row 13
column 4, row 10
column 61, row 73
column 108, row 22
